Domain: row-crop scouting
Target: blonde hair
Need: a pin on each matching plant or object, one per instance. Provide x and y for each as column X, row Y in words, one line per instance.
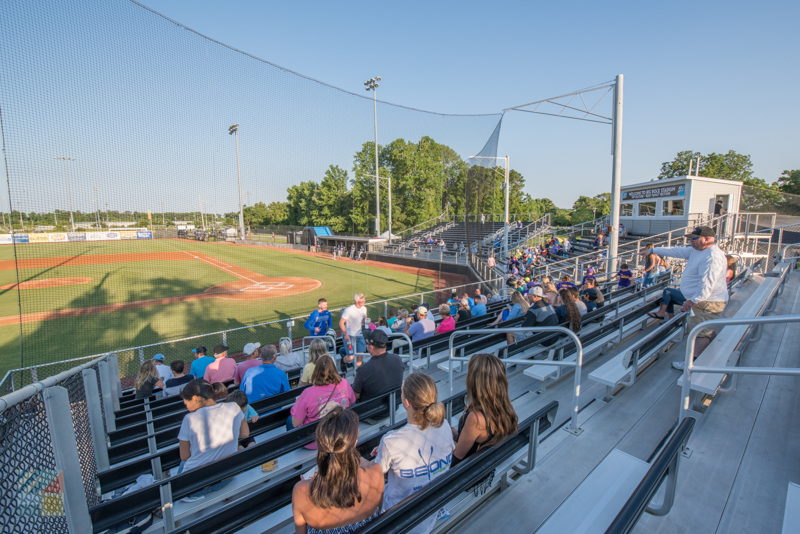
column 317, row 350
column 419, row 390
column 358, row 296
column 285, row 347
column 517, row 298
column 444, row 310
column 146, row 371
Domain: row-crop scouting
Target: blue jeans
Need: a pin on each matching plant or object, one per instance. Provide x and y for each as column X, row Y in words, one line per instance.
column 649, row 278
column 670, row 297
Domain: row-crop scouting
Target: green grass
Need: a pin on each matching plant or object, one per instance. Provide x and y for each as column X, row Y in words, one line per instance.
column 268, row 238
column 69, row 337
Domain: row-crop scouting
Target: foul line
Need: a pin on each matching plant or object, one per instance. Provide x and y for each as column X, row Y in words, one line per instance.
column 219, row 266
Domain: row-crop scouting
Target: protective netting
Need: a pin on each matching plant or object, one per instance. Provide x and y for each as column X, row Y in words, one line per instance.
column 83, row 435
column 31, row 492
column 115, row 129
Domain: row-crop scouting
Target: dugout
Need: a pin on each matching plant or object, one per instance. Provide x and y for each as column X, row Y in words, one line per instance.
column 658, row 206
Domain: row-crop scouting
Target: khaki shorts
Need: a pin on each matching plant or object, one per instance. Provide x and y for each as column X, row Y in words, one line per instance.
column 705, row 311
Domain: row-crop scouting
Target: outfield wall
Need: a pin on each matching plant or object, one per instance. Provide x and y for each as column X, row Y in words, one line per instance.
column 74, row 237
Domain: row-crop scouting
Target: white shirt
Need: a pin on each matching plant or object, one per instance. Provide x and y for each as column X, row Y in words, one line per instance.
column 354, row 319
column 212, row 433
column 413, row 458
column 703, row 277
column 163, row 371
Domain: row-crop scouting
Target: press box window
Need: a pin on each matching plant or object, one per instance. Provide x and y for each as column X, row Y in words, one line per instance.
column 626, row 210
column 647, row 209
column 673, row 207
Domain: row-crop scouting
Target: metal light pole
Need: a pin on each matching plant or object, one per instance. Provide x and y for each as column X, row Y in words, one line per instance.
column 616, row 176
column 506, row 185
column 372, row 85
column 66, row 160
column 233, row 130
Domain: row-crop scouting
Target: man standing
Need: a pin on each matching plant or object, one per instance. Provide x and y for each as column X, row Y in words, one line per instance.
column 353, row 320
column 702, row 290
column 222, row 369
column 265, row 380
column 382, row 373
column 319, row 321
column 202, row 360
column 251, row 354
column 651, row 263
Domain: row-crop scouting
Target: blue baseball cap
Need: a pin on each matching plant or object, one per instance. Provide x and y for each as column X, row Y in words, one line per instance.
column 159, row 357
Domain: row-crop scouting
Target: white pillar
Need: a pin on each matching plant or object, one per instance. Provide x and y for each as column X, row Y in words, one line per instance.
column 616, row 176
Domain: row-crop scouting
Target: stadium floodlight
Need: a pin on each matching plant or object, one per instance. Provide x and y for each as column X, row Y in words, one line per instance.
column 66, row 160
column 506, row 177
column 233, row 130
column 372, row 85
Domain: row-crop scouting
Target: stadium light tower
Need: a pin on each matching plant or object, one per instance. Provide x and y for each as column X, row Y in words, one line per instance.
column 506, row 177
column 372, row 85
column 66, row 160
column 233, row 130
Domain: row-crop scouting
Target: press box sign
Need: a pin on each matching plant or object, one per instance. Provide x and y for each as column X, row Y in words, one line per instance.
column 655, row 192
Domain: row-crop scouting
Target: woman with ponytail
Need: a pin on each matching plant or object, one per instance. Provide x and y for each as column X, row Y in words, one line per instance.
column 570, row 311
column 347, row 490
column 421, row 450
column 489, row 417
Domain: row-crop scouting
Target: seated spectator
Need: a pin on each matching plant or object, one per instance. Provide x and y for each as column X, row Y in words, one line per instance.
column 569, row 310
column 408, row 453
column 453, row 302
column 265, row 380
column 401, row 321
column 422, row 328
column 382, row 324
column 179, row 379
column 222, row 369
column 202, row 360
column 518, row 308
column 625, row 276
column 591, row 295
column 448, row 324
column 540, row 313
column 346, row 492
column 251, row 360
column 328, row 390
column 220, row 391
column 316, row 350
column 147, row 380
column 730, row 272
column 480, row 297
column 478, row 309
column 489, row 417
column 463, row 311
column 470, row 300
column 238, row 397
column 576, row 297
column 288, row 359
column 164, row 372
column 382, row 373
column 551, row 294
column 566, row 281
column 391, row 319
column 209, row 431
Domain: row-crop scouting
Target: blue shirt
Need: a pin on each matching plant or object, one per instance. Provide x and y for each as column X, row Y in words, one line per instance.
column 479, row 309
column 198, row 368
column 263, row 381
column 318, row 319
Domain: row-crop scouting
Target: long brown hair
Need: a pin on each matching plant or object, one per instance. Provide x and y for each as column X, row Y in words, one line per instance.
column 325, row 372
column 336, row 483
column 419, row 390
column 316, row 350
column 487, row 392
column 146, row 371
column 573, row 314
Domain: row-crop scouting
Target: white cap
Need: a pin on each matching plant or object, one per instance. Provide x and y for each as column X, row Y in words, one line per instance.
column 422, row 310
column 537, row 291
column 250, row 348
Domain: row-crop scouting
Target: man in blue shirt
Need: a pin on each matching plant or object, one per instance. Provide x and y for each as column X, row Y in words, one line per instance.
column 202, row 360
column 319, row 321
column 264, row 380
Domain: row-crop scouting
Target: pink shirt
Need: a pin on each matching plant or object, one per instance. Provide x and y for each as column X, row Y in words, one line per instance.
column 447, row 324
column 242, row 367
column 220, row 370
column 316, row 401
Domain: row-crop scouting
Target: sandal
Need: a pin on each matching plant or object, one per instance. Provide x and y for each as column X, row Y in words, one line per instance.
column 654, row 316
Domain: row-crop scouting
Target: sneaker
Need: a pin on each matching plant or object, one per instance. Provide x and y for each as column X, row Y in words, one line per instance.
column 678, row 365
column 193, row 498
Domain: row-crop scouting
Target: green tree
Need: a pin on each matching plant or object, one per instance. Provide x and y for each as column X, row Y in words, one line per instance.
column 300, row 199
column 331, row 203
column 277, row 213
column 789, row 182
column 730, row 166
column 255, row 215
column 679, row 166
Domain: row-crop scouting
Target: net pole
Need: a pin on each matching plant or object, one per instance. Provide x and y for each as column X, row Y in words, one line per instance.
column 616, row 176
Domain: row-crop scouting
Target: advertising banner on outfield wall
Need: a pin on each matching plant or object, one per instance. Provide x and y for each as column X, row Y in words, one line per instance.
column 102, row 236
column 127, row 234
column 38, row 238
column 21, row 238
column 77, row 236
column 57, row 238
column 144, row 235
column 5, row 239
column 61, row 237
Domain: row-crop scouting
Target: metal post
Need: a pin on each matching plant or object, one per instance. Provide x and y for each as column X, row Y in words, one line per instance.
column 234, row 130
column 65, row 452
column 113, row 375
column 390, row 208
column 107, row 396
column 507, row 178
column 616, row 176
column 95, row 418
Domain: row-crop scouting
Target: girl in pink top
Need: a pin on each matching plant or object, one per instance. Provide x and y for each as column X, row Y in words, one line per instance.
column 327, row 391
column 448, row 323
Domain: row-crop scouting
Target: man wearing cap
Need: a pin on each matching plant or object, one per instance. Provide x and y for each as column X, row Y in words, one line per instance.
column 422, row 328
column 202, row 360
column 252, row 355
column 265, row 380
column 382, row 373
column 222, row 369
column 703, row 289
column 163, row 371
column 540, row 312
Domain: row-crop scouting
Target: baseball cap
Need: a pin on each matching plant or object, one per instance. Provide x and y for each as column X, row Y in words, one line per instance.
column 703, row 231
column 537, row 291
column 250, row 348
column 378, row 337
column 200, row 350
column 219, row 349
column 159, row 357
column 423, row 310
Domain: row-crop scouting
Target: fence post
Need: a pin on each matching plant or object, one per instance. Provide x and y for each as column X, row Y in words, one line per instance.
column 108, row 401
column 95, row 418
column 114, row 377
column 141, row 356
column 65, row 453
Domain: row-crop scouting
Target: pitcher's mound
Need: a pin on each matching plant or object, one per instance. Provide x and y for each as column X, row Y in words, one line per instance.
column 280, row 286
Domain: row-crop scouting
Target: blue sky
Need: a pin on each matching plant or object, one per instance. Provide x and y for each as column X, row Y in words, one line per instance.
column 708, row 76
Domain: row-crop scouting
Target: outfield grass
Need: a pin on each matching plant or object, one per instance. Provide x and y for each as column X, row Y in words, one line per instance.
column 69, row 337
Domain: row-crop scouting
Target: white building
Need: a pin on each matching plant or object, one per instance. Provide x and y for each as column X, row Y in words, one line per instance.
column 662, row 205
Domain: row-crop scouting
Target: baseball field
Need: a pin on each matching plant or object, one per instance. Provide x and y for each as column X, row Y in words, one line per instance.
column 78, row 299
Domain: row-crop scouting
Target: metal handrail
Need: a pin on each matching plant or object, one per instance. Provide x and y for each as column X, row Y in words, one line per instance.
column 577, row 364
column 689, row 367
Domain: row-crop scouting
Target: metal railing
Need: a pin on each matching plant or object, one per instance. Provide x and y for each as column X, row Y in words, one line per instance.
column 577, row 364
